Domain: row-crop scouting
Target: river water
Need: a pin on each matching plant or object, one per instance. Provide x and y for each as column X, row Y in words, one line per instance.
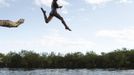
column 65, row 72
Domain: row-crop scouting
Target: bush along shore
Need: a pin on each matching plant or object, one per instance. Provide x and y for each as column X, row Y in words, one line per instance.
column 118, row 59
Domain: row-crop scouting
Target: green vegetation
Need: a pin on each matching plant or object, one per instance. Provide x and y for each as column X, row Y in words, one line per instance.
column 120, row 59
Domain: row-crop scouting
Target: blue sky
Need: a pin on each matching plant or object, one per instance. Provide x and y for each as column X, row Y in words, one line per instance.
column 98, row 25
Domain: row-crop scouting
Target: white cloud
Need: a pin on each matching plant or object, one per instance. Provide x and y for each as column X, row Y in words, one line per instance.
column 64, row 11
column 65, row 43
column 53, row 41
column 100, row 3
column 124, row 35
column 125, row 1
column 4, row 3
column 97, row 2
column 82, row 10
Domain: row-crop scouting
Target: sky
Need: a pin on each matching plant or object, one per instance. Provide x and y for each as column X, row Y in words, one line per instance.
column 97, row 25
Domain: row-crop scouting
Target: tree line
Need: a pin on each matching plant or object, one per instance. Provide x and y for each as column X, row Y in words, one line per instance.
column 120, row 59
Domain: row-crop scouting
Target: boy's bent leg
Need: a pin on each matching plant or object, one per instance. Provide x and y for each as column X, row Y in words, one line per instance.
column 44, row 13
column 49, row 18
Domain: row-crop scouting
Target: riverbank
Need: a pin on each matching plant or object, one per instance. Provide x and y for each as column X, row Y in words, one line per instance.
column 118, row 59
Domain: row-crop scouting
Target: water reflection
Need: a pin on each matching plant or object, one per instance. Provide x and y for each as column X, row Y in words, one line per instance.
column 65, row 72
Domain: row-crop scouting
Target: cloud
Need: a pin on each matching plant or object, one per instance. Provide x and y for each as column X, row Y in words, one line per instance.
column 65, row 43
column 125, row 1
column 48, row 2
column 53, row 41
column 124, row 35
column 97, row 2
column 100, row 3
column 4, row 3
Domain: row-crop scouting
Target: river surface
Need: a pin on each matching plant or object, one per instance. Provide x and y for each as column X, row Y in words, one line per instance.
column 65, row 72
